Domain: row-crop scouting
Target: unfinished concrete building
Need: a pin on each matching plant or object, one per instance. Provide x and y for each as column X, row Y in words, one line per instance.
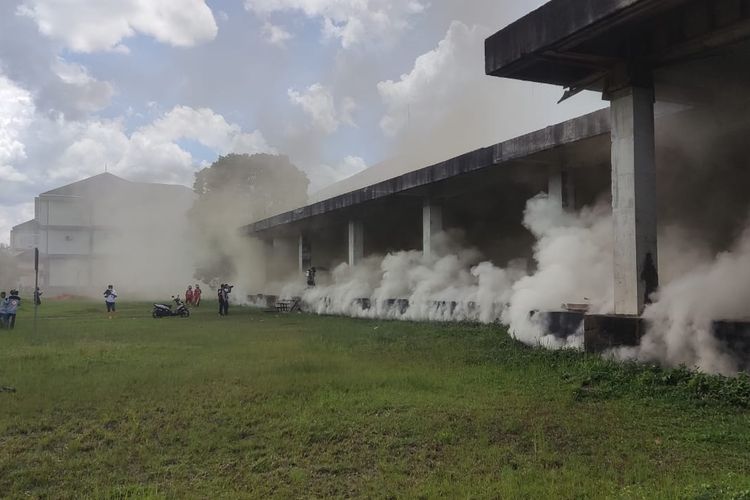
column 675, row 75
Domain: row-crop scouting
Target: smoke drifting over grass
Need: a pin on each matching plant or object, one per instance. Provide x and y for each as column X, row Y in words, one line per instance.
column 571, row 263
column 682, row 318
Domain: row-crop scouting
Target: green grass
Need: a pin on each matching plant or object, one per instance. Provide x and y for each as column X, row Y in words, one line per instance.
column 258, row 405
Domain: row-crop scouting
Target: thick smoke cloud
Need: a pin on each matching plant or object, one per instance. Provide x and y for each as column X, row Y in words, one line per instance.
column 681, row 331
column 571, row 263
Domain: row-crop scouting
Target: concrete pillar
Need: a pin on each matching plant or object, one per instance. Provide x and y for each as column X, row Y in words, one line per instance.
column 634, row 198
column 432, row 224
column 356, row 242
column 560, row 187
column 304, row 253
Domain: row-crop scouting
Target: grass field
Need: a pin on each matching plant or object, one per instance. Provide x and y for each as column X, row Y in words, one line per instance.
column 258, row 405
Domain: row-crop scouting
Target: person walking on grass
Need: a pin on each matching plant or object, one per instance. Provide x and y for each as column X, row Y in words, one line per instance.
column 220, row 296
column 3, row 310
column 110, row 296
column 197, row 295
column 224, row 291
column 189, row 296
column 13, row 301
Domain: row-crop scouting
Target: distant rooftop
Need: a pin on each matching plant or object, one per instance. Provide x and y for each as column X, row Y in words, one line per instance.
column 105, row 181
column 29, row 225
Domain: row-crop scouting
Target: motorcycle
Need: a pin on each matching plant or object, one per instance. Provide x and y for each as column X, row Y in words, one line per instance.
column 165, row 310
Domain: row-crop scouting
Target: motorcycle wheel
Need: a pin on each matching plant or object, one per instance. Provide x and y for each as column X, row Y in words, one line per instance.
column 185, row 313
column 155, row 315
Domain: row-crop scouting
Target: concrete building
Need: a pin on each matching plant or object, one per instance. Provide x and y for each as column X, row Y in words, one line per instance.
column 101, row 229
column 676, row 76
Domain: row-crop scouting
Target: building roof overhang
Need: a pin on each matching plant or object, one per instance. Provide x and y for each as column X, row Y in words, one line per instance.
column 585, row 44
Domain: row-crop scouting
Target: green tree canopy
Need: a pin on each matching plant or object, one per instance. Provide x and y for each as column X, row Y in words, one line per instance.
column 234, row 191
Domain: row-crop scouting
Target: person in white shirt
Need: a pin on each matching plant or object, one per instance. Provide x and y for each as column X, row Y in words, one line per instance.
column 110, row 295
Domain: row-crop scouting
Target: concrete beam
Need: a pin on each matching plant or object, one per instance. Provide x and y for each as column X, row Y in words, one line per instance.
column 432, row 224
column 634, row 199
column 356, row 242
column 563, row 134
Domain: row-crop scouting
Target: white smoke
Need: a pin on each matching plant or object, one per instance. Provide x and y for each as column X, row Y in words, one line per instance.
column 572, row 263
column 682, row 319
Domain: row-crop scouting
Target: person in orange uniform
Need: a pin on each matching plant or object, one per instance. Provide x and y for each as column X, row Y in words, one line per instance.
column 197, row 295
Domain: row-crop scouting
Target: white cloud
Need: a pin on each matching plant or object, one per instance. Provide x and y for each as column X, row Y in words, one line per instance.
column 436, row 75
column 445, row 105
column 151, row 152
column 93, row 25
column 41, row 150
column 275, row 35
column 82, row 91
column 207, row 127
column 325, row 175
column 11, row 215
column 318, row 103
column 352, row 22
column 16, row 113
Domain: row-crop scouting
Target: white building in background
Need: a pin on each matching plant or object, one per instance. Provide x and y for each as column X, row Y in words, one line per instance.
column 106, row 229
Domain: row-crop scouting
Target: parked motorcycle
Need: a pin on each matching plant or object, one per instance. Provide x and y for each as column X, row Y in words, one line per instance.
column 165, row 310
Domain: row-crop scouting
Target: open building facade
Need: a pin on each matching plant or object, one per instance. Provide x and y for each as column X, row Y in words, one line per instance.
column 675, row 75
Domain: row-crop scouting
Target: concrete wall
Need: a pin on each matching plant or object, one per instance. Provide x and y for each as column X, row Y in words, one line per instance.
column 68, row 241
column 69, row 272
column 23, row 240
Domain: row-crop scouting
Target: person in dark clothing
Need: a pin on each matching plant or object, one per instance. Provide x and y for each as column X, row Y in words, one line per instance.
column 224, row 292
column 220, row 295
column 310, row 274
column 651, row 278
column 38, row 296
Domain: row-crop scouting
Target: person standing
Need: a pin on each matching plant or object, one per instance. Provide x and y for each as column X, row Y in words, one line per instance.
column 197, row 295
column 227, row 291
column 3, row 310
column 14, row 300
column 38, row 296
column 189, row 296
column 110, row 296
column 310, row 274
column 220, row 295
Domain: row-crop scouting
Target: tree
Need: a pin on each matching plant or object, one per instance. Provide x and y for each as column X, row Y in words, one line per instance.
column 234, row 191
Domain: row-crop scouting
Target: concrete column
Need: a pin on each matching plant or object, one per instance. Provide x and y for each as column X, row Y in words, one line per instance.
column 432, row 224
column 304, row 253
column 634, row 198
column 560, row 188
column 356, row 242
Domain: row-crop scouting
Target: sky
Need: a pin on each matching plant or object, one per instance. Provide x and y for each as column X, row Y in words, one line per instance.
column 154, row 91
